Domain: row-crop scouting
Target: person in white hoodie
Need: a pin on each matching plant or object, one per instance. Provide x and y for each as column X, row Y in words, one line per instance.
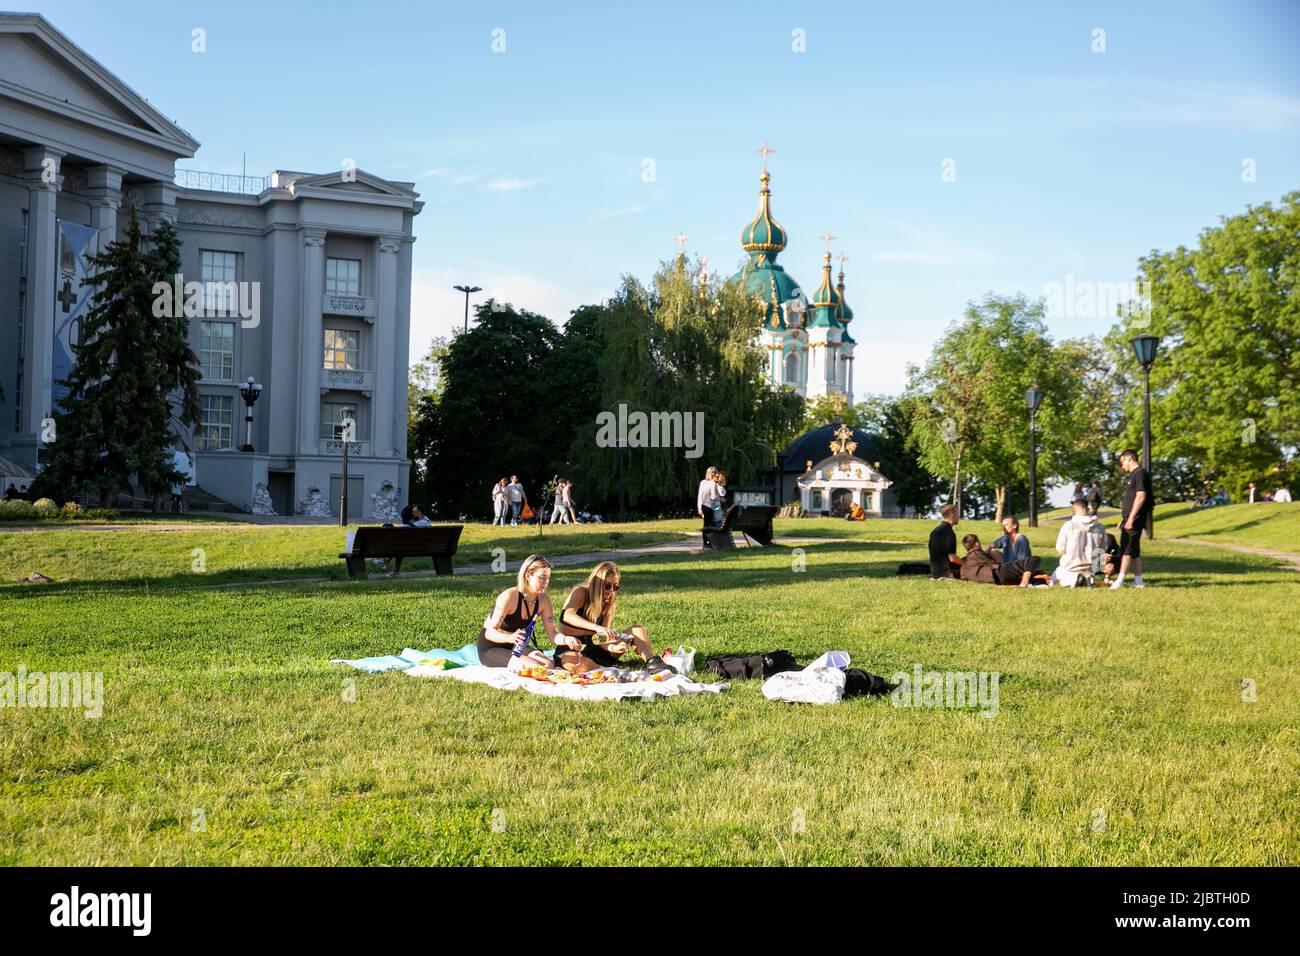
column 1079, row 542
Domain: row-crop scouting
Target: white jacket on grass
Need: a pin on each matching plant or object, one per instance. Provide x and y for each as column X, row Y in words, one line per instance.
column 1081, row 541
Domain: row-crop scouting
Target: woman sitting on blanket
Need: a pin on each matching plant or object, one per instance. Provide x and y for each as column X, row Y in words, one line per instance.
column 515, row 608
column 587, row 637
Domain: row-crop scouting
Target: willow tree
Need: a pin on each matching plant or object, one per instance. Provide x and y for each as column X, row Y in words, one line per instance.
column 683, row 349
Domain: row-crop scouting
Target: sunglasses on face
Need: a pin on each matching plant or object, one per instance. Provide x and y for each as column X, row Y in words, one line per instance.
column 613, row 587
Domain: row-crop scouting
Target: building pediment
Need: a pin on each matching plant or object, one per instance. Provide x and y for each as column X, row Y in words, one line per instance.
column 42, row 69
column 844, row 469
column 356, row 181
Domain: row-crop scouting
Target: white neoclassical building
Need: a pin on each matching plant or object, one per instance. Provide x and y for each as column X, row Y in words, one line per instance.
column 307, row 282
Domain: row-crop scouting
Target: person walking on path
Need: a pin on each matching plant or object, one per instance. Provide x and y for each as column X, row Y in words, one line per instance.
column 1135, row 509
column 517, row 498
column 1094, row 499
column 500, row 502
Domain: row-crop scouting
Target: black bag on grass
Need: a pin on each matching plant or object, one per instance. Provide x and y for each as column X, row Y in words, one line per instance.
column 752, row 666
column 859, row 683
column 914, row 567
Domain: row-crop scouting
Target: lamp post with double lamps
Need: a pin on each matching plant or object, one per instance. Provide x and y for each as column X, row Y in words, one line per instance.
column 249, row 391
column 467, row 289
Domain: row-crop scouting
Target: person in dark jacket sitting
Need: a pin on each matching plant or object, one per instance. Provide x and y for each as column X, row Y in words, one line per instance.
column 989, row 567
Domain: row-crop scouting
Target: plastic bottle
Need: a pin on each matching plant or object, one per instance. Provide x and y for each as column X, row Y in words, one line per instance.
column 521, row 645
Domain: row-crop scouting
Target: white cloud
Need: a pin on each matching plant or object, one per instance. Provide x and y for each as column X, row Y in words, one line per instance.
column 631, row 210
column 456, row 179
column 509, row 185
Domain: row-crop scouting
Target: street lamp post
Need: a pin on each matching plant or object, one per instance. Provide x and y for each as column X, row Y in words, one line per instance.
column 1144, row 348
column 467, row 289
column 250, row 390
column 622, row 450
column 346, row 434
column 1034, row 398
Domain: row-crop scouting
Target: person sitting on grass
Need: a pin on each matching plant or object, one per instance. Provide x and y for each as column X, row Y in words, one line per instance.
column 943, row 545
column 1014, row 545
column 989, row 567
column 515, row 609
column 856, row 513
column 1078, row 543
column 587, row 637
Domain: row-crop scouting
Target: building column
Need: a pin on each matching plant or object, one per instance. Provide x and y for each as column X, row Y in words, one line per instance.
column 41, row 170
column 402, row 349
column 159, row 203
column 311, row 344
column 386, row 368
column 104, row 186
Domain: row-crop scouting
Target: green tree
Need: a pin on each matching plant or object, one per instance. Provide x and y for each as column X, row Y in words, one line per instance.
column 1225, row 389
column 971, row 411
column 889, row 419
column 132, row 391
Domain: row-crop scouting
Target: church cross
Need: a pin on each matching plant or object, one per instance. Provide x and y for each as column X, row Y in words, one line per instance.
column 842, row 259
column 681, row 243
column 828, row 238
column 66, row 297
column 765, row 152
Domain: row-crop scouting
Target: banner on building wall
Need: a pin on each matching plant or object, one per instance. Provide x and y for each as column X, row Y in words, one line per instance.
column 71, row 297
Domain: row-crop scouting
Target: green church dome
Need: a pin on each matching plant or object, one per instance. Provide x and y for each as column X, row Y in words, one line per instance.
column 825, row 303
column 763, row 239
column 763, row 234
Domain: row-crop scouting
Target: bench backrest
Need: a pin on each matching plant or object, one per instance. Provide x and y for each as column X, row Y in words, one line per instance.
column 407, row 542
column 755, row 518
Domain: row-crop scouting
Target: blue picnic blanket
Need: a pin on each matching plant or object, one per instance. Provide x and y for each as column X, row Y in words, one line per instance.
column 409, row 657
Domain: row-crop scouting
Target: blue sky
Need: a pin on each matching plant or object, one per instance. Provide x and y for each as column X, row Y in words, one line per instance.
column 1069, row 161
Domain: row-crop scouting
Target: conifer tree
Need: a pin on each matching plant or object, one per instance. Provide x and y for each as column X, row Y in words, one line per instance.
column 132, row 389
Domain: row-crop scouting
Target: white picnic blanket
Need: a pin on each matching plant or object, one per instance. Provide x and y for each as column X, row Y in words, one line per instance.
column 503, row 679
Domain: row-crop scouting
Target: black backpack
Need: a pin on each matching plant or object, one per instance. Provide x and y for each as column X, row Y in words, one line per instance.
column 858, row 683
column 752, row 666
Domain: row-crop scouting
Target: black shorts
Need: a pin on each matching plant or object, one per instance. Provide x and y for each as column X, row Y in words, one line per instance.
column 598, row 655
column 1130, row 542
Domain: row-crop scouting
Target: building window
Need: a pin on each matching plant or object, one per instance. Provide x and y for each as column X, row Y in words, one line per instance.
column 216, row 421
column 217, row 351
column 816, row 500
column 791, row 369
column 217, row 270
column 342, row 349
column 343, row 276
column 332, row 417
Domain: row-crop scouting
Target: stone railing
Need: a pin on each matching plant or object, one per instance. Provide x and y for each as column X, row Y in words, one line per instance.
column 222, row 182
column 362, row 306
column 334, row 447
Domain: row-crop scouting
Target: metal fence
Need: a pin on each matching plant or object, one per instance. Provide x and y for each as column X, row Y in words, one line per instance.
column 222, row 182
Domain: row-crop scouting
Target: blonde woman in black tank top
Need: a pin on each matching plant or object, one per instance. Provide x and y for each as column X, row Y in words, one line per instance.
column 514, row 608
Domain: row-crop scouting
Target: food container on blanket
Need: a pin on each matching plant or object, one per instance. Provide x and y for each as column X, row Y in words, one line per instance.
column 682, row 660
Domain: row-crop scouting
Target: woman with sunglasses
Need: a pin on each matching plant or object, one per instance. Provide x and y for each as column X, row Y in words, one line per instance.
column 587, row 637
column 515, row 609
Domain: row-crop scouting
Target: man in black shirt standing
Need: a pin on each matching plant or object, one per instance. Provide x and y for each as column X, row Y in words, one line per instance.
column 1135, row 509
column 943, row 545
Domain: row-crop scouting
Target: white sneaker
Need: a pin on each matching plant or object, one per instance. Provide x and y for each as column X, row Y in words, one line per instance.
column 1139, row 584
column 1117, row 585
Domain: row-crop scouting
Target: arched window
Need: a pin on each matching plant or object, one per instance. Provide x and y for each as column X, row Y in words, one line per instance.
column 791, row 368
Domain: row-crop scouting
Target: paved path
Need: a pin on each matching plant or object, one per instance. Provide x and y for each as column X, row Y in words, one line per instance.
column 1292, row 560
column 693, row 545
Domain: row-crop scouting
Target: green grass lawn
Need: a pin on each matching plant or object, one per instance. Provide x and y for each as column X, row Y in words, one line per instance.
column 1122, row 735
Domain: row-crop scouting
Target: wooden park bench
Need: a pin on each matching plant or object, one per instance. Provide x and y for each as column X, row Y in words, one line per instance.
column 438, row 543
column 753, row 521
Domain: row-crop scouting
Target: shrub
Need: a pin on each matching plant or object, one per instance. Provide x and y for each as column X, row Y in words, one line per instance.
column 100, row 514
column 71, row 509
column 45, row 506
column 15, row 510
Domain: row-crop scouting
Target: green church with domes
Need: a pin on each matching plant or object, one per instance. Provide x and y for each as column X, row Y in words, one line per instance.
column 807, row 340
